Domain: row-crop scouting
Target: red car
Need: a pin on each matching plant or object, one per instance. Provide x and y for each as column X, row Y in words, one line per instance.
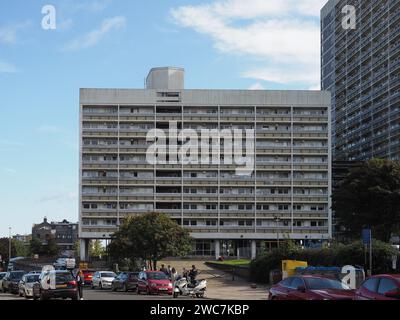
column 380, row 287
column 154, row 282
column 310, row 287
column 88, row 276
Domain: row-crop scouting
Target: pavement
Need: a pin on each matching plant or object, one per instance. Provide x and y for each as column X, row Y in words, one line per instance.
column 219, row 284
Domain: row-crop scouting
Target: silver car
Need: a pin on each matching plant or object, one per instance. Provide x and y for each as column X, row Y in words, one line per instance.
column 26, row 285
column 103, row 279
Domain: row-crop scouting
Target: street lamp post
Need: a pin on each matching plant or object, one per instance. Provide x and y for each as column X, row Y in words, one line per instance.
column 9, row 245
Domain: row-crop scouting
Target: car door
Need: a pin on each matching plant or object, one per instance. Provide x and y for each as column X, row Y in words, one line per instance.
column 142, row 282
column 368, row 289
column 282, row 289
column 94, row 280
column 117, row 281
column 6, row 281
column 294, row 292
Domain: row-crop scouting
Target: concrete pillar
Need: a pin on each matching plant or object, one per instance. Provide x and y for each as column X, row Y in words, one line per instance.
column 217, row 249
column 84, row 249
column 253, row 249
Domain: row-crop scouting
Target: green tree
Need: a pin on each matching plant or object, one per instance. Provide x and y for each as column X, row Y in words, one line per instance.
column 151, row 237
column 4, row 248
column 35, row 246
column 21, row 248
column 96, row 249
column 52, row 249
column 370, row 197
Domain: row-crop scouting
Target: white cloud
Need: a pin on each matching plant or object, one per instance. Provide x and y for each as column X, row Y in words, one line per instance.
column 256, row 86
column 281, row 35
column 6, row 67
column 95, row 36
column 9, row 34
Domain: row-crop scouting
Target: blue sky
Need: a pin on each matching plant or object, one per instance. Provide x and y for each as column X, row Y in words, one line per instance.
column 224, row 44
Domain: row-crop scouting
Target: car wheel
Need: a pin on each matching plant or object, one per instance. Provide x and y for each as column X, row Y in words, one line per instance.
column 101, row 286
column 199, row 295
column 75, row 297
column 42, row 297
column 176, row 295
column 125, row 288
column 92, row 286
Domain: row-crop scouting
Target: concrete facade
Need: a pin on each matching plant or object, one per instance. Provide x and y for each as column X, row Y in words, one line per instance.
column 287, row 194
column 361, row 67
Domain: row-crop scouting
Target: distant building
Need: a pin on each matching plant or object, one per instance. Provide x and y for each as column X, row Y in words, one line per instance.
column 25, row 238
column 65, row 234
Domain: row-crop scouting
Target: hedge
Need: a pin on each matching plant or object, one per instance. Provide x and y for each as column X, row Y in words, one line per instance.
column 336, row 255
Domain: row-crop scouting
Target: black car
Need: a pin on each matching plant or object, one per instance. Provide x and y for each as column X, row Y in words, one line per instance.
column 11, row 281
column 125, row 281
column 55, row 284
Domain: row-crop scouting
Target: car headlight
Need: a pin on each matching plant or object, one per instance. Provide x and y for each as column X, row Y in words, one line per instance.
column 170, row 285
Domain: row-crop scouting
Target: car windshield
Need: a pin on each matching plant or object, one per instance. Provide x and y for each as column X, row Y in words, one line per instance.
column 157, row 276
column 320, row 284
column 16, row 275
column 108, row 275
column 32, row 278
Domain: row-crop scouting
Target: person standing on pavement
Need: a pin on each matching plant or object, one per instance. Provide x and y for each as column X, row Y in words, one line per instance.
column 174, row 275
column 80, row 282
column 164, row 270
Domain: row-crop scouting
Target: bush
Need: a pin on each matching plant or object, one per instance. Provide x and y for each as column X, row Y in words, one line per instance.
column 337, row 255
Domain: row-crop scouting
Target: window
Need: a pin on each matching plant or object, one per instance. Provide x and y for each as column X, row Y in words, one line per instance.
column 297, row 282
column 371, row 284
column 386, row 285
column 287, row 282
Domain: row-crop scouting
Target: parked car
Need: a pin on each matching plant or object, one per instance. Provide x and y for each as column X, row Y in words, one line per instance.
column 125, row 281
column 25, row 287
column 55, row 284
column 154, row 282
column 103, row 279
column 307, row 287
column 380, row 287
column 88, row 276
column 11, row 281
column 2, row 275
